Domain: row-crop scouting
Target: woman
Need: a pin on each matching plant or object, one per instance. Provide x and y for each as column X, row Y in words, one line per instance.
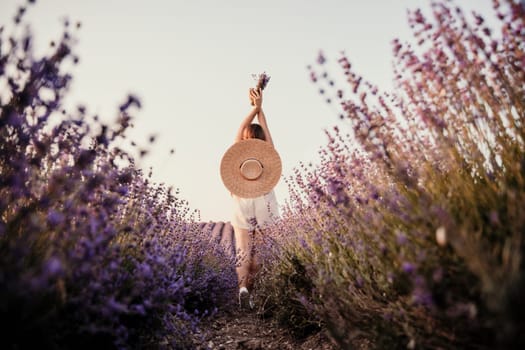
column 251, row 214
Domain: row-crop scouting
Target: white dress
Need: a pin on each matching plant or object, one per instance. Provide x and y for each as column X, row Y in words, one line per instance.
column 251, row 213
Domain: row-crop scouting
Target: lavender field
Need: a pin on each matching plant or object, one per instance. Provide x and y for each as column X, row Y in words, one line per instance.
column 93, row 255
column 409, row 233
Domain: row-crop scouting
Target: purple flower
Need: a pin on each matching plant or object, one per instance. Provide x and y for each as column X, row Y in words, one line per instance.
column 359, row 282
column 262, row 80
column 117, row 306
column 53, row 267
column 421, row 296
column 139, row 309
column 55, row 218
column 321, row 58
column 123, row 190
column 408, row 267
column 145, row 270
column 131, row 101
column 401, row 238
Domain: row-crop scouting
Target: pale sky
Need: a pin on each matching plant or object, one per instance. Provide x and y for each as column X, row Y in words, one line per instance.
column 190, row 62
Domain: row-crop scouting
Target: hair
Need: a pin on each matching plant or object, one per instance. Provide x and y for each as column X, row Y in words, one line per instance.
column 255, row 131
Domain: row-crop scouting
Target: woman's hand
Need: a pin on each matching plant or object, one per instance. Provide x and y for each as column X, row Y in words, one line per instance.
column 256, row 98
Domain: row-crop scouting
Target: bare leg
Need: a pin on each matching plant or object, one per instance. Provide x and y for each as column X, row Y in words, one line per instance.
column 252, row 271
column 243, row 249
column 253, row 266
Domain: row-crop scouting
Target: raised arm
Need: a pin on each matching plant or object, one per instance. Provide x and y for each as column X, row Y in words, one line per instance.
column 262, row 121
column 246, row 121
column 261, row 117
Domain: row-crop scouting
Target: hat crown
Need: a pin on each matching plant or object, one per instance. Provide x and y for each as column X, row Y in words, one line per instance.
column 251, row 169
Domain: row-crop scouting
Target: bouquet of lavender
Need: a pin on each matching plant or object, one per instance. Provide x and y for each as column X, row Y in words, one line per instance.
column 262, row 81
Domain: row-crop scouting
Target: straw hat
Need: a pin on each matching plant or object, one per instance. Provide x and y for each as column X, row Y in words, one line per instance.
column 251, row 168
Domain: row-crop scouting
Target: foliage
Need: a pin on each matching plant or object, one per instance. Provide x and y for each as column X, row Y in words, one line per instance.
column 410, row 231
column 92, row 253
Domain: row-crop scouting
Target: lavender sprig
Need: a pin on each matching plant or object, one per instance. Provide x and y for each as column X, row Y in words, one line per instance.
column 262, row 80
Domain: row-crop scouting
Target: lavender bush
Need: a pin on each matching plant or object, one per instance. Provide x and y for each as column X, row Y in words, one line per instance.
column 409, row 234
column 92, row 253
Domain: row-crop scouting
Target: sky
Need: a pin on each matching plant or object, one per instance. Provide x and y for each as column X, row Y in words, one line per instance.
column 191, row 64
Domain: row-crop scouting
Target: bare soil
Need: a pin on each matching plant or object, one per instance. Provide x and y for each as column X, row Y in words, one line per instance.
column 244, row 330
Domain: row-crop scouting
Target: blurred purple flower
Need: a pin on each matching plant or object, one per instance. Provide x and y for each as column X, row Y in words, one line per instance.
column 123, row 190
column 13, row 118
column 85, row 158
column 139, row 309
column 55, row 218
column 53, row 267
column 145, row 270
column 407, row 267
column 131, row 101
column 359, row 282
column 117, row 306
column 401, row 238
column 321, row 58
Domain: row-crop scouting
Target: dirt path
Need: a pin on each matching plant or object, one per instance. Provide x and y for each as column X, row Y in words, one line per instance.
column 246, row 331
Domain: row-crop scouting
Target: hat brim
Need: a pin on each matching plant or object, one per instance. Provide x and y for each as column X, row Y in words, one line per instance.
column 250, row 149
